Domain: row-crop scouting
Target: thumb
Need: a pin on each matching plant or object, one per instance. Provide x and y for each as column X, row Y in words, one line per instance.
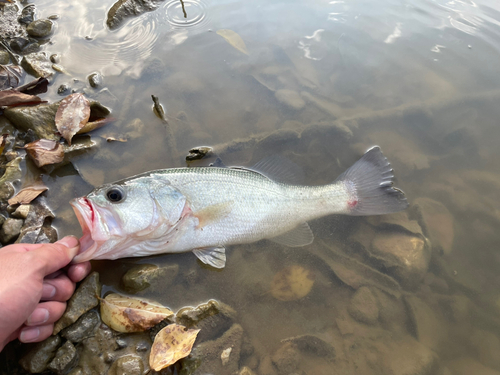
column 54, row 256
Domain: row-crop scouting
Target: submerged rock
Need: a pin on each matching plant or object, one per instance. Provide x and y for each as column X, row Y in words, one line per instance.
column 95, row 80
column 286, row 359
column 38, row 358
column 37, row 64
column 39, row 118
column 143, row 276
column 314, row 345
column 363, row 306
column 83, row 328
column 123, row 9
column 4, row 57
column 10, row 230
column 37, row 227
column 40, row 28
column 127, row 365
column 64, row 359
column 84, row 299
column 11, row 174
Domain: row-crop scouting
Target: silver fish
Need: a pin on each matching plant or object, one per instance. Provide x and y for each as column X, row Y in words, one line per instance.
column 205, row 209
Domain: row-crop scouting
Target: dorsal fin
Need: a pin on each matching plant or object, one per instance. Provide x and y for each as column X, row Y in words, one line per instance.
column 279, row 169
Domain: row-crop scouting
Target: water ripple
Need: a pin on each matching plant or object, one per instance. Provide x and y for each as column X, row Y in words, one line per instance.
column 186, row 13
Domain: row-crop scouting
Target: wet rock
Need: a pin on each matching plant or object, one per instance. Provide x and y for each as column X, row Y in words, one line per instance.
column 313, row 345
column 406, row 257
column 10, row 230
column 64, row 359
column 11, row 174
column 95, row 80
column 246, row 371
column 19, row 44
column 408, row 357
column 436, row 222
column 21, row 212
column 37, row 227
column 27, row 14
column 286, row 359
column 363, row 306
column 127, row 365
column 212, row 318
column 392, row 311
column 37, row 64
column 55, row 58
column 63, row 89
column 123, row 9
column 144, row 275
column 206, row 357
column 4, row 57
column 39, row 118
column 96, row 353
column 38, row 358
column 83, row 328
column 468, row 366
column 487, row 347
column 425, row 323
column 84, row 299
column 290, row 98
column 9, row 27
column 39, row 28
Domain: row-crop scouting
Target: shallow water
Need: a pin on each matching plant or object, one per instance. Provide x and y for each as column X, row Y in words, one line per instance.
column 419, row 78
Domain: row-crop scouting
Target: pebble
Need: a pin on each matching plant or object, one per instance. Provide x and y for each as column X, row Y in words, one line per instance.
column 10, row 230
column 363, row 306
column 40, row 28
column 38, row 358
column 4, row 57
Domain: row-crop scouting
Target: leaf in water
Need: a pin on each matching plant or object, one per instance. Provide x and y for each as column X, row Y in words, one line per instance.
column 10, row 76
column 93, row 125
column 27, row 194
column 171, row 344
column 44, row 152
column 13, row 97
column 72, row 115
column 126, row 314
column 38, row 86
column 2, row 142
column 233, row 39
column 292, row 283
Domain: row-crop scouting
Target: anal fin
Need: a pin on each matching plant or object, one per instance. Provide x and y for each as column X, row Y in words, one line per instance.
column 213, row 256
column 299, row 236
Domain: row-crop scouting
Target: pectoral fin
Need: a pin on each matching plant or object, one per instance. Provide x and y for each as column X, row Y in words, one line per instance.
column 213, row 213
column 213, row 256
column 299, row 236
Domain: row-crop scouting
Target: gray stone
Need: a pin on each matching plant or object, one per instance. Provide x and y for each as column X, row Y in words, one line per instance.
column 127, row 365
column 38, row 358
column 19, row 44
column 55, row 58
column 39, row 118
column 143, row 276
column 9, row 26
column 65, row 358
column 21, row 212
column 363, row 306
column 27, row 14
column 37, row 64
column 10, row 230
column 436, row 222
column 290, row 98
column 63, row 89
column 83, row 328
column 95, row 80
column 123, row 9
column 37, row 227
column 85, row 298
column 40, row 28
column 4, row 57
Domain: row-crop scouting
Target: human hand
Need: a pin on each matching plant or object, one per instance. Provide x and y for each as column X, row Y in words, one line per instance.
column 34, row 288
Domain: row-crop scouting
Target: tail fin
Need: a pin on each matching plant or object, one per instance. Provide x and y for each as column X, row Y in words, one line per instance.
column 369, row 183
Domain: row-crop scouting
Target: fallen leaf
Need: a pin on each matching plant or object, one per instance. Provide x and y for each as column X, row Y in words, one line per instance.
column 72, row 115
column 93, row 125
column 10, row 76
column 292, row 283
column 2, row 142
column 171, row 344
column 13, row 97
column 233, row 39
column 27, row 194
column 44, row 152
column 38, row 86
column 126, row 314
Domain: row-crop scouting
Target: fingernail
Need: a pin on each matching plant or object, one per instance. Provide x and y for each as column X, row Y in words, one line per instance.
column 69, row 241
column 29, row 334
column 38, row 316
column 48, row 291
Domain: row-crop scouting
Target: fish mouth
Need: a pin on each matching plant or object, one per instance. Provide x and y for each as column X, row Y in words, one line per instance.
column 86, row 215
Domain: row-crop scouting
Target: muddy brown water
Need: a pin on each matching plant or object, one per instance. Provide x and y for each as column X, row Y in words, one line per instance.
column 419, row 78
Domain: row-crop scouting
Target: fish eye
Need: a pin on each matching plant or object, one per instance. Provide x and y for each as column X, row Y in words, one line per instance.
column 115, row 194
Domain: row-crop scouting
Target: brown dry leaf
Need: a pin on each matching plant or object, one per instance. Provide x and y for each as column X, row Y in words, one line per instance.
column 292, row 283
column 35, row 87
column 72, row 115
column 233, row 39
column 27, row 194
column 89, row 126
column 10, row 76
column 44, row 152
column 126, row 314
column 171, row 344
column 3, row 141
column 13, row 97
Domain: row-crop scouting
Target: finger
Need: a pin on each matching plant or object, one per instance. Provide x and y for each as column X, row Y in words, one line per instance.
column 52, row 257
column 59, row 289
column 46, row 313
column 77, row 272
column 36, row 334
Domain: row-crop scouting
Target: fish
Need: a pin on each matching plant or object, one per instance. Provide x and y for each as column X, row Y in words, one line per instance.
column 206, row 209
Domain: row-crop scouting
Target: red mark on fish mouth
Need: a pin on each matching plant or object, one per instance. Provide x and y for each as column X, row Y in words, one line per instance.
column 352, row 203
column 86, row 216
